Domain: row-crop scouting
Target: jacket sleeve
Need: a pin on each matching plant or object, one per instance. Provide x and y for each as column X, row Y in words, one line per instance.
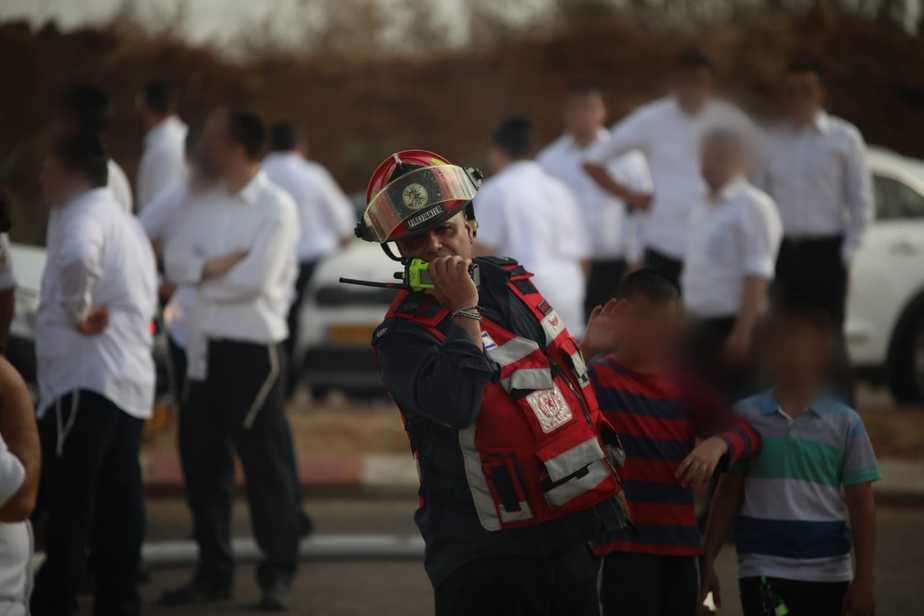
column 443, row 382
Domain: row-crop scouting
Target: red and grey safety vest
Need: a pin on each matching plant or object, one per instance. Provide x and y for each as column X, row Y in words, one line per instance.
column 536, row 452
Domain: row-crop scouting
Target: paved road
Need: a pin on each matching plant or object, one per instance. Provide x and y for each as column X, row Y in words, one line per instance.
column 400, row 587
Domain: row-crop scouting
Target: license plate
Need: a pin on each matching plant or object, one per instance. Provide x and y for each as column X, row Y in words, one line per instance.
column 350, row 335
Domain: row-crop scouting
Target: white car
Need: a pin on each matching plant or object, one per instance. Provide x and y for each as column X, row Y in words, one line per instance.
column 885, row 324
column 337, row 321
column 885, row 309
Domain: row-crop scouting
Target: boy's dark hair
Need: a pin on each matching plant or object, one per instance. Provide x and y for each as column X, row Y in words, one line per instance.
column 246, row 129
column 800, row 66
column 158, row 95
column 84, row 153
column 648, row 284
column 284, row 136
column 514, row 136
column 694, row 59
column 88, row 106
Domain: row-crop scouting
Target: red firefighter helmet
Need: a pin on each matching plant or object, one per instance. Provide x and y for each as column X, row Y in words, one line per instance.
column 414, row 190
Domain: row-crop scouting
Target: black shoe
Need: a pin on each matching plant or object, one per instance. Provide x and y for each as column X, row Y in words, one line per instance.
column 195, row 592
column 275, row 597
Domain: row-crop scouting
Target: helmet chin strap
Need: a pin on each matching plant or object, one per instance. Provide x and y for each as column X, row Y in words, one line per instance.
column 386, row 248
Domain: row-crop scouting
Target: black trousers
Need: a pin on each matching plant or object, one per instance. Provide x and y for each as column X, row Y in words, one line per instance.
column 802, row 598
column 239, row 407
column 92, row 481
column 649, row 585
column 554, row 585
column 707, row 342
column 603, row 282
column 305, row 272
column 812, row 272
column 178, row 367
column 669, row 267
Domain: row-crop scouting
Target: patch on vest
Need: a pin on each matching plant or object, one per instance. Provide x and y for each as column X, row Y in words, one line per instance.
column 488, row 341
column 544, row 307
column 550, row 408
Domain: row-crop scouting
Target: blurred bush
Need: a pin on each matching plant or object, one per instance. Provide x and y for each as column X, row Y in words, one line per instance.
column 357, row 107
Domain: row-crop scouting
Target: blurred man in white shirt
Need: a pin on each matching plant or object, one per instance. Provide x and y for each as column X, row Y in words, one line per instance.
column 611, row 224
column 160, row 220
column 239, row 251
column 7, row 279
column 734, row 236
column 163, row 163
column 325, row 213
column 20, row 467
column 668, row 132
column 530, row 216
column 86, row 109
column 814, row 167
column 96, row 381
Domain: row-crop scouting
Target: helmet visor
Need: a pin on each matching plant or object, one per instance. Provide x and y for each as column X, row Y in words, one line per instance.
column 408, row 203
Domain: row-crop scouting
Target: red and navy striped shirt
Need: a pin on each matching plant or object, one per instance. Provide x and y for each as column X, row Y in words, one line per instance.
column 659, row 418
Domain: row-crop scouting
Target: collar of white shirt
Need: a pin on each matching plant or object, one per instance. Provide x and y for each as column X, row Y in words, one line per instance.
column 570, row 143
column 250, row 194
column 728, row 192
column 160, row 132
column 80, row 199
column 821, row 123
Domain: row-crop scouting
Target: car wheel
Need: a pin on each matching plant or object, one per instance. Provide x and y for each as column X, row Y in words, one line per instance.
column 906, row 364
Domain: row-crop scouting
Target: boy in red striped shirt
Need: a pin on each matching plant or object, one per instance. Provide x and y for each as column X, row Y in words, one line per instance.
column 660, row 412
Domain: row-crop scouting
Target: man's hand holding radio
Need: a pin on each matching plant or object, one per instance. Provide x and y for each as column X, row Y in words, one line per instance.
column 454, row 288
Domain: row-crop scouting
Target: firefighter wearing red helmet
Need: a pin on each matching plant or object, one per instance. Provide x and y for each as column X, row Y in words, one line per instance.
column 517, row 467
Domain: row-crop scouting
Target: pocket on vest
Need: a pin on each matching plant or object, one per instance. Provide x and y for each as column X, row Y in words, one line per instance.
column 574, row 471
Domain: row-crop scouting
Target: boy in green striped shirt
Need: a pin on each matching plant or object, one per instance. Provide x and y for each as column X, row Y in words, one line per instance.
column 807, row 498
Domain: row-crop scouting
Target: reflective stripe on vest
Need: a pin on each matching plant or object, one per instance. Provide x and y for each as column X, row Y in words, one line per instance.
column 574, row 459
column 597, row 472
column 481, row 493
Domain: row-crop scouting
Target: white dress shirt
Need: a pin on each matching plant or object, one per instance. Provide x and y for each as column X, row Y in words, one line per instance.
column 251, row 301
column 97, row 256
column 119, row 186
column 818, row 177
column 670, row 139
column 528, row 215
column 15, row 540
column 7, row 279
column 325, row 213
column 163, row 162
column 613, row 231
column 158, row 219
column 732, row 235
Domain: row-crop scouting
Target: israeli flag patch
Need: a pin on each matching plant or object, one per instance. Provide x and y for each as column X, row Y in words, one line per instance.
column 488, row 341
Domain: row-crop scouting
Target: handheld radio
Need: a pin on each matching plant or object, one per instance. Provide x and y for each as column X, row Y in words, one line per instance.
column 415, row 277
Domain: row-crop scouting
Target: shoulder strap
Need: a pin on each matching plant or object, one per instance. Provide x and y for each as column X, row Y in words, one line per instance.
column 420, row 309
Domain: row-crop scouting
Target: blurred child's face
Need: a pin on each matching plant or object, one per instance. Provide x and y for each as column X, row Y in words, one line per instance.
column 799, row 354
column 653, row 330
column 584, row 114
